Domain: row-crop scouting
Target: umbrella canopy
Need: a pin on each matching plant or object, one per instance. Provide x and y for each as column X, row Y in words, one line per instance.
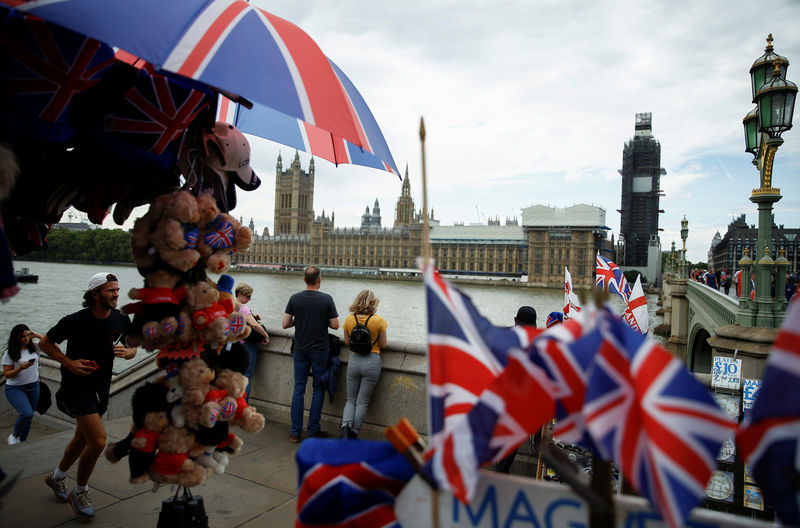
column 239, row 48
column 267, row 123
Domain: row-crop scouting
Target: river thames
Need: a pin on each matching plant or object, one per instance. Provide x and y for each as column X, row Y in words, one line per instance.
column 61, row 286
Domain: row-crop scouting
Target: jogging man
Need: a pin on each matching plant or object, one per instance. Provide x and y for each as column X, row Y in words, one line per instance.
column 312, row 312
column 95, row 337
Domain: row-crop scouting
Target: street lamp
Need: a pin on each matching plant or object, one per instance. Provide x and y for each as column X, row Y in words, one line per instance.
column 683, row 267
column 774, row 97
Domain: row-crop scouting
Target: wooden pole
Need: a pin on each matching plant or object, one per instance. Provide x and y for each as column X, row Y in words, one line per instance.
column 426, row 239
column 426, row 260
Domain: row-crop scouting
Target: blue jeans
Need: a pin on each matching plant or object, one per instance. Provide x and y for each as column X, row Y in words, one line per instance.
column 362, row 376
column 316, row 363
column 23, row 398
column 252, row 349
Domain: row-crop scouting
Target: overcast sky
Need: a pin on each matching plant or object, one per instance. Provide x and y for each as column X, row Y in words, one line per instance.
column 531, row 102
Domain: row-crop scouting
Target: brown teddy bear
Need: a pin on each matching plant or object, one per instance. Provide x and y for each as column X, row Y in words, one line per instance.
column 172, row 464
column 220, row 235
column 245, row 417
column 155, row 321
column 195, row 377
column 168, row 230
column 210, row 320
column 143, row 445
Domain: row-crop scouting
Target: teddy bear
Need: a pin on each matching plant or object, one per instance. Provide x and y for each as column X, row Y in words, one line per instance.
column 155, row 321
column 167, row 231
column 220, row 235
column 238, row 329
column 172, row 463
column 210, row 321
column 195, row 377
column 244, row 416
column 143, row 445
column 149, row 406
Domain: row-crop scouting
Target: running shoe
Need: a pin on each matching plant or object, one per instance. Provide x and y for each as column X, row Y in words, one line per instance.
column 59, row 486
column 81, row 504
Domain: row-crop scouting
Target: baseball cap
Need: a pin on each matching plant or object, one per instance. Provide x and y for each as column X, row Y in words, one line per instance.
column 554, row 318
column 232, row 155
column 526, row 315
column 98, row 279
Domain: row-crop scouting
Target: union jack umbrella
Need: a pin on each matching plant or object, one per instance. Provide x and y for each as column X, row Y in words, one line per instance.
column 235, row 47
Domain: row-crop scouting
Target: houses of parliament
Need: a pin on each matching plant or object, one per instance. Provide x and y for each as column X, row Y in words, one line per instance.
column 539, row 247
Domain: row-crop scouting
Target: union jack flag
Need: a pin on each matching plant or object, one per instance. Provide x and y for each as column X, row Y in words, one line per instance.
column 349, row 483
column 770, row 437
column 648, row 414
column 44, row 66
column 514, row 405
column 154, row 114
column 466, row 352
column 610, row 278
column 566, row 352
column 221, row 237
column 466, row 356
column 237, row 325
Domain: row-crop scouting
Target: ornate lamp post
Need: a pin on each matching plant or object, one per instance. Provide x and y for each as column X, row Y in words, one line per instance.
column 672, row 258
column 774, row 97
column 683, row 266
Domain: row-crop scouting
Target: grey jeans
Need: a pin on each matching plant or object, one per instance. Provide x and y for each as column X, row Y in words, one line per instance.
column 362, row 375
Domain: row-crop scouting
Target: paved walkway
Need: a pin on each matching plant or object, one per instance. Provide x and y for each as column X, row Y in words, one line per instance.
column 258, row 488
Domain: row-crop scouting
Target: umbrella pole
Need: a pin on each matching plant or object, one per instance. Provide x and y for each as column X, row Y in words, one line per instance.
column 426, row 240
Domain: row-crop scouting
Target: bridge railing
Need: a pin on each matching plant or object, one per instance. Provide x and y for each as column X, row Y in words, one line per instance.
column 716, row 308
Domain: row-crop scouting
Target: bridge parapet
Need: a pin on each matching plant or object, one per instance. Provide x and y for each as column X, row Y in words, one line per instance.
column 709, row 309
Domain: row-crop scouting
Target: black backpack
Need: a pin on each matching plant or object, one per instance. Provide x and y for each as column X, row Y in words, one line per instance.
column 360, row 340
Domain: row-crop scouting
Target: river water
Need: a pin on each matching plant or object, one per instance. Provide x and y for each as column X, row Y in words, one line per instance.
column 61, row 286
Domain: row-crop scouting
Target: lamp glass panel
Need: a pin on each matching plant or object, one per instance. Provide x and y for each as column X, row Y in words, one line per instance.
column 758, row 78
column 751, row 135
column 765, row 111
column 778, row 101
column 790, row 100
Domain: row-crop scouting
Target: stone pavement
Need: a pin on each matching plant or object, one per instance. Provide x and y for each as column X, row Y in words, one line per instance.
column 258, row 489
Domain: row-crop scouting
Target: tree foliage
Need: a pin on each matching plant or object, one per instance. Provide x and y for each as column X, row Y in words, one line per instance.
column 93, row 245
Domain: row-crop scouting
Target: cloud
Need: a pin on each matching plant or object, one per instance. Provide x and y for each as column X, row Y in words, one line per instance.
column 532, row 102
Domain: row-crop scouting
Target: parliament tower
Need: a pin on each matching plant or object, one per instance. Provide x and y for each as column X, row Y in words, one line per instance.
column 294, row 198
column 641, row 189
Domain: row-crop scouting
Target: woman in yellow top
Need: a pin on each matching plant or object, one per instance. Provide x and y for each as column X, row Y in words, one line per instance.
column 363, row 371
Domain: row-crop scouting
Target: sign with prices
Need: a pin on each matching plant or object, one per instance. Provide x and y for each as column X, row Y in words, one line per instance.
column 726, row 373
column 749, row 392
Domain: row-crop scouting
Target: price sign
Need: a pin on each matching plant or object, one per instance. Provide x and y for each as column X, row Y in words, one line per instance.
column 749, row 392
column 726, row 373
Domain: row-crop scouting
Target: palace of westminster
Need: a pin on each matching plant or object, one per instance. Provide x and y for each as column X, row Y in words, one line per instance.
column 547, row 240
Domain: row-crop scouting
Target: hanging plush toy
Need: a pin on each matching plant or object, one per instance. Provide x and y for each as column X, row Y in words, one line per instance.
column 155, row 321
column 172, row 463
column 167, row 231
column 220, row 235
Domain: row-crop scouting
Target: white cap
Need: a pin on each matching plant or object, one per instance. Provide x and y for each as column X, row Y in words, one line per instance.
column 97, row 280
column 231, row 155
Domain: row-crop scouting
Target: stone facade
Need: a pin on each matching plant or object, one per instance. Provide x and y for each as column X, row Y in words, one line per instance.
column 727, row 252
column 548, row 239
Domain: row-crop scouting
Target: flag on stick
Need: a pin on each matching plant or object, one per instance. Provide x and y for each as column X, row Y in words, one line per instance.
column 465, row 352
column 636, row 312
column 572, row 304
column 610, row 278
